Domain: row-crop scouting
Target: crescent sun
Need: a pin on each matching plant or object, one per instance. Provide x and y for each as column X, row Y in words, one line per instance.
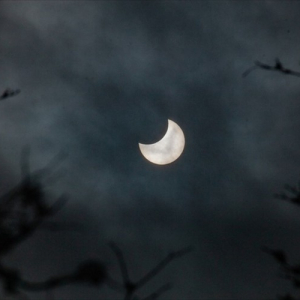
column 168, row 149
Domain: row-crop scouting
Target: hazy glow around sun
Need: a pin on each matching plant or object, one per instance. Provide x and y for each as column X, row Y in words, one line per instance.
column 168, row 149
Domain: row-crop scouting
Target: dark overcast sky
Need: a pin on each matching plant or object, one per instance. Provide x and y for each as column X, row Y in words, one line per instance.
column 97, row 78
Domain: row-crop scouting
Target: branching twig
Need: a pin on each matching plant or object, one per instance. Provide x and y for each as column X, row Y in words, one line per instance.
column 26, row 229
column 278, row 67
column 159, row 292
column 29, row 179
column 122, row 263
column 22, row 211
column 278, row 254
column 131, row 287
column 28, row 197
column 9, row 93
column 162, row 265
column 291, row 195
column 287, row 271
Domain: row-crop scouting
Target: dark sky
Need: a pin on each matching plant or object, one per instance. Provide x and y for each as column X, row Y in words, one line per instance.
column 97, row 78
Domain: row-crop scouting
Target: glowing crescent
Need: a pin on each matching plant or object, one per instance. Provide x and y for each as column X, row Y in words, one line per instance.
column 168, row 149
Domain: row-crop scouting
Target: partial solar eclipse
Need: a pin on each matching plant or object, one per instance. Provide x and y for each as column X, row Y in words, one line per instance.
column 168, row 149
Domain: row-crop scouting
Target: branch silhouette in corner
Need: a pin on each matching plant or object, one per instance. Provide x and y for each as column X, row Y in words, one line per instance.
column 277, row 67
column 22, row 211
column 288, row 271
column 25, row 209
column 290, row 194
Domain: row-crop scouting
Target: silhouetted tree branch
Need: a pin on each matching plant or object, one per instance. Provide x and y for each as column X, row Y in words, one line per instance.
column 9, row 93
column 277, row 254
column 22, row 211
column 170, row 257
column 90, row 272
column 24, row 208
column 290, row 272
column 159, row 292
column 130, row 287
column 278, row 67
column 122, row 263
column 291, row 194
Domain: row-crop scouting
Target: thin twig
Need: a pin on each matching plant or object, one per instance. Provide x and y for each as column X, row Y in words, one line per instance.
column 26, row 230
column 9, row 93
column 291, row 195
column 159, row 292
column 160, row 266
column 42, row 173
column 278, row 67
column 27, row 195
column 122, row 263
column 130, row 287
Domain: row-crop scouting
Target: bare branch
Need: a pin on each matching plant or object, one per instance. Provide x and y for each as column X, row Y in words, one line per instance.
column 162, row 265
column 54, row 163
column 291, row 195
column 159, row 292
column 25, row 206
column 278, row 67
column 90, row 272
column 26, row 183
column 277, row 254
column 248, row 71
column 27, row 228
column 130, row 287
column 9, row 93
column 122, row 263
column 58, row 205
